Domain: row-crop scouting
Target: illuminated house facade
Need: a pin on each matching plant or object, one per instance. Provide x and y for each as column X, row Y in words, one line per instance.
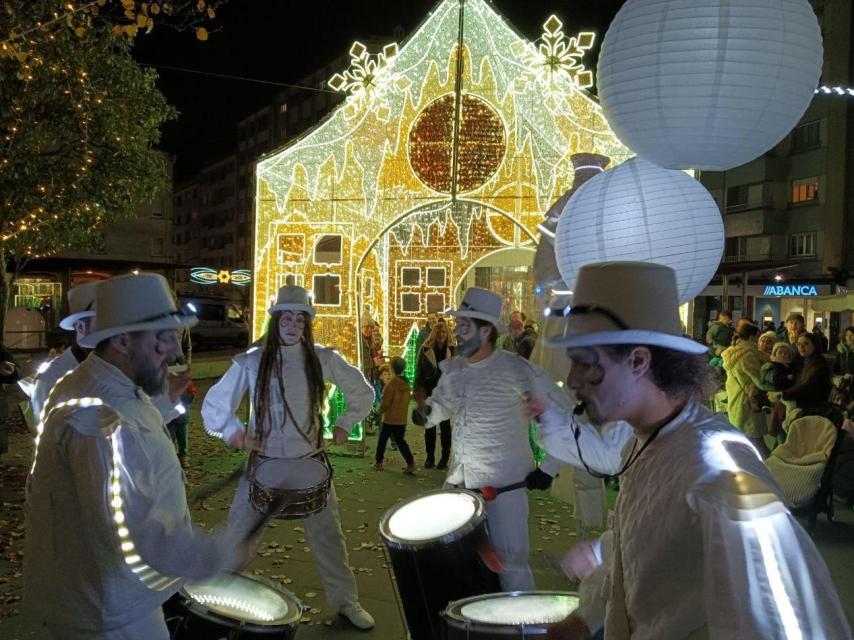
column 447, row 151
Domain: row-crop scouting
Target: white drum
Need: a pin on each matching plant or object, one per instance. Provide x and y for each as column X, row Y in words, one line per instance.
column 522, row 614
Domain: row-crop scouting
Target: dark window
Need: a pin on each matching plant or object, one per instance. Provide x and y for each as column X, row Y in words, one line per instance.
column 328, row 250
column 806, row 136
column 327, row 290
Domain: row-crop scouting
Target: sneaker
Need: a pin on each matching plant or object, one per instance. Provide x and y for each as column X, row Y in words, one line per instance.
column 357, row 616
column 430, row 463
column 409, row 469
column 377, row 466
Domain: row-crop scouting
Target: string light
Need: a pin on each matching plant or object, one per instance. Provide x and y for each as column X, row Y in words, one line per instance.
column 378, row 172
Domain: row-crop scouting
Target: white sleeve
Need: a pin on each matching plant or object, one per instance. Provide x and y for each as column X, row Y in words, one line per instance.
column 602, row 451
column 168, row 409
column 148, row 510
column 357, row 392
column 444, row 400
column 41, row 389
column 763, row 577
column 219, row 409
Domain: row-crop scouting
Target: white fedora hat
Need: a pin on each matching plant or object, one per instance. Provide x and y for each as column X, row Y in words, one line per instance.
column 143, row 302
column 624, row 303
column 483, row 305
column 293, row 298
column 81, row 304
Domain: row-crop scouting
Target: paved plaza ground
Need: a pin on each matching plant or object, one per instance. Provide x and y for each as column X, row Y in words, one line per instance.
column 364, row 496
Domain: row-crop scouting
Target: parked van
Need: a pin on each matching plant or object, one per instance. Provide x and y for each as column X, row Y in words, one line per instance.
column 220, row 322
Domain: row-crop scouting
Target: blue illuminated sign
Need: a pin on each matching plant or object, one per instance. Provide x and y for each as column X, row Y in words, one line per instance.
column 795, row 290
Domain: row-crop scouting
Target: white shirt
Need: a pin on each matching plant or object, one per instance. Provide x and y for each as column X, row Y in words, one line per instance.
column 284, row 441
column 109, row 535
column 487, row 402
column 688, row 564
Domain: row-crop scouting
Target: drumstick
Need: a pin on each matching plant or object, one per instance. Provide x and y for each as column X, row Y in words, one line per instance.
column 488, row 554
column 311, row 454
column 213, row 487
column 274, row 508
column 491, row 493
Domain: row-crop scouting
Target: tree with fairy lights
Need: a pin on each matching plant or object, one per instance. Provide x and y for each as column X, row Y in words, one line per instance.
column 79, row 119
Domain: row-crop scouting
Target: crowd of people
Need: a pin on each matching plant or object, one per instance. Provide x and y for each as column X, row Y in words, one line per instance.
column 107, row 483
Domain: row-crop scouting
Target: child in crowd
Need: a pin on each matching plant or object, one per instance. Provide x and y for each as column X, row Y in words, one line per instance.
column 394, row 408
column 179, row 428
column 778, row 375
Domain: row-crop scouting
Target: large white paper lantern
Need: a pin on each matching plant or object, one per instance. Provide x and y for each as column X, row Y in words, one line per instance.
column 708, row 84
column 639, row 211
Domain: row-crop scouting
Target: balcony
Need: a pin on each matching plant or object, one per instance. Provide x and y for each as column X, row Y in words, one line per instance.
column 754, row 222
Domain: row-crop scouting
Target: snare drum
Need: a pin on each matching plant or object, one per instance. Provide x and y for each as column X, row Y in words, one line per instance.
column 233, row 606
column 433, row 542
column 303, row 484
column 522, row 614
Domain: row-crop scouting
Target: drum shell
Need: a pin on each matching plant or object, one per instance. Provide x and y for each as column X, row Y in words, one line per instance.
column 433, row 573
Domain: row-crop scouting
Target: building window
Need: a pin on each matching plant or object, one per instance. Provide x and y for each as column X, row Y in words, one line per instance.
column 743, row 197
column 435, row 302
column 410, row 302
column 327, row 290
column 328, row 249
column 802, row 244
column 807, row 136
column 157, row 246
column 410, row 276
column 436, row 277
column 804, row 190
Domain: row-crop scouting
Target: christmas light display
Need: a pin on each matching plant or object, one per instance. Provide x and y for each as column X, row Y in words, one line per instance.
column 424, row 170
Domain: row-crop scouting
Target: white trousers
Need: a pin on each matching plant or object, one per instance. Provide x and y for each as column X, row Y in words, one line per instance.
column 151, row 627
column 324, row 535
column 507, row 517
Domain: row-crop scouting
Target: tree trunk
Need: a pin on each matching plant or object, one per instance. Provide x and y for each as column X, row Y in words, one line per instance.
column 5, row 287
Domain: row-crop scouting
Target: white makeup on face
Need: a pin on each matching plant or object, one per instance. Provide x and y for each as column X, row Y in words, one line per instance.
column 468, row 337
column 291, row 327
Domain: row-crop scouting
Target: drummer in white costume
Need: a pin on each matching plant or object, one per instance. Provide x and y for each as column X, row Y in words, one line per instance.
column 702, row 545
column 289, row 427
column 80, row 320
column 485, row 392
column 109, row 537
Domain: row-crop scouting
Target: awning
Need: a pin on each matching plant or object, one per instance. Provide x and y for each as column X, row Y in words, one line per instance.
column 844, row 302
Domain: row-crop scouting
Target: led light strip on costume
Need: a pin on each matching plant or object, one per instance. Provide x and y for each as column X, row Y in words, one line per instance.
column 40, row 426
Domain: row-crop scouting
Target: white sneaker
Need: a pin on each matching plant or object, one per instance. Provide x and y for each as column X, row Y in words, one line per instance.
column 357, row 616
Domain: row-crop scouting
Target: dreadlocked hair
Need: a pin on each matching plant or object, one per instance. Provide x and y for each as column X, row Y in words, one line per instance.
column 270, row 372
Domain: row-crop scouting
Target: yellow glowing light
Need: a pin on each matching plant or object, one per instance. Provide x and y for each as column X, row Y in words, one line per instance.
column 388, row 181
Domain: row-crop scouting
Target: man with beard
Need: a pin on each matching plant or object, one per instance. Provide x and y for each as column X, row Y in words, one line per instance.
column 109, row 537
column 486, row 392
column 702, row 545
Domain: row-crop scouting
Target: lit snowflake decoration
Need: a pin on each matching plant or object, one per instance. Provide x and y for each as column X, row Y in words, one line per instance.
column 555, row 54
column 368, row 81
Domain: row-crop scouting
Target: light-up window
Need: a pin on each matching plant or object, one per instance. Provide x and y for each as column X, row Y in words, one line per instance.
column 291, row 248
column 410, row 276
column 435, row 302
column 410, row 302
column 436, row 277
column 328, row 249
column 804, row 190
column 327, row 290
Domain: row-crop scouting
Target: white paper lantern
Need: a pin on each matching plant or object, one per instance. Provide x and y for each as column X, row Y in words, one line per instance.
column 639, row 211
column 708, row 84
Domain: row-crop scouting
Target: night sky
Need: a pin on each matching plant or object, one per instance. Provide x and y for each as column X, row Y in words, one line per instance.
column 284, row 40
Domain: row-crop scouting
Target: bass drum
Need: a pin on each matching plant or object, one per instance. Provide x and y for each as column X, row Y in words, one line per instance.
column 233, row 606
column 434, row 543
column 521, row 614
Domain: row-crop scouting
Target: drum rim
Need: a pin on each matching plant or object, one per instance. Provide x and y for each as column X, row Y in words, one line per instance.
column 453, row 617
column 397, row 542
column 203, row 611
column 264, row 459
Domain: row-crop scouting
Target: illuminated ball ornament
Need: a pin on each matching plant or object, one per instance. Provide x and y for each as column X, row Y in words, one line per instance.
column 708, row 84
column 639, row 211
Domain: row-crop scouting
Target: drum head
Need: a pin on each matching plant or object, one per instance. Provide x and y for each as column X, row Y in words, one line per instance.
column 512, row 610
column 290, row 473
column 432, row 516
column 244, row 600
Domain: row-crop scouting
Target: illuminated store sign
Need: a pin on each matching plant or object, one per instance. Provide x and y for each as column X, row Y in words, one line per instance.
column 206, row 275
column 795, row 290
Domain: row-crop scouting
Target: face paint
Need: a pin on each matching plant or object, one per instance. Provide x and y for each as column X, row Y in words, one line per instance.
column 291, row 327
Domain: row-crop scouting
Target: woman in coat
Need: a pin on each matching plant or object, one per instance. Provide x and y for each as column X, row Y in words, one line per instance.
column 742, row 363
column 436, row 348
column 813, row 383
column 844, row 362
